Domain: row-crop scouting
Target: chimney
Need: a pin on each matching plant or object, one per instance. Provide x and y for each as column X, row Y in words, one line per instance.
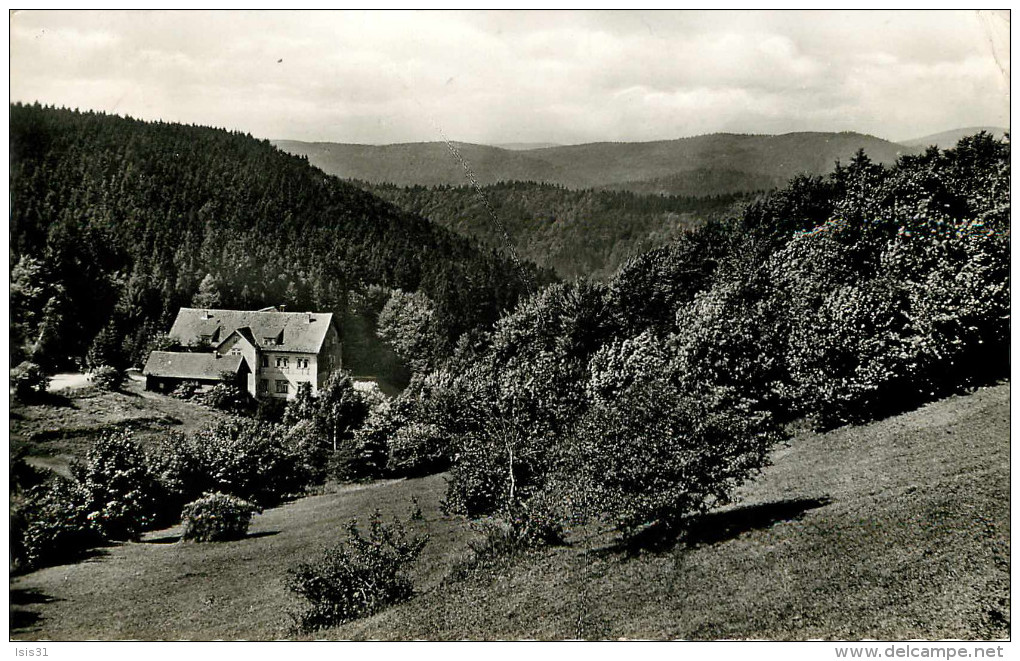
column 283, row 307
column 309, row 317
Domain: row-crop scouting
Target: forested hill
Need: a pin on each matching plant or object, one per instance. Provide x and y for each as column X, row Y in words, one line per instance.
column 115, row 223
column 713, row 164
column 576, row 232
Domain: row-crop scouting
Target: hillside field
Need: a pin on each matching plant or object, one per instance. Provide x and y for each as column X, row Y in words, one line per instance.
column 66, row 422
column 894, row 529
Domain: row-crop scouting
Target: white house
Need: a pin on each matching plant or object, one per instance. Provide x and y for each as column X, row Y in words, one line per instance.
column 269, row 352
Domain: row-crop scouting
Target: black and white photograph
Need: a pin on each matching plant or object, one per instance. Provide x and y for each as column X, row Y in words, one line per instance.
column 510, row 325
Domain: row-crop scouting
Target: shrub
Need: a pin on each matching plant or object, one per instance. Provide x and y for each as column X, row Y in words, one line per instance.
column 309, row 448
column 500, row 466
column 106, row 377
column 418, row 449
column 216, row 517
column 23, row 476
column 302, row 407
column 879, row 323
column 339, row 410
column 184, row 473
column 226, row 396
column 365, row 454
column 52, row 525
column 18, row 528
column 270, row 409
column 248, row 459
column 28, row 380
column 356, row 578
column 122, row 492
column 186, row 390
column 660, row 455
column 532, row 523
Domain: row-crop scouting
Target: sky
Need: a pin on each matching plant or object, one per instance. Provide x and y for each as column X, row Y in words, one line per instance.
column 514, row 76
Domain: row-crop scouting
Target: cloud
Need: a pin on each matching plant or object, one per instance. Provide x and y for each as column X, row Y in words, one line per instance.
column 517, row 76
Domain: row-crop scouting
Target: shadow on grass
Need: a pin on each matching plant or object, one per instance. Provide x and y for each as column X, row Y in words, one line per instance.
column 21, row 618
column 903, row 402
column 716, row 527
column 26, row 596
column 91, row 554
column 173, row 539
column 49, row 399
column 720, row 526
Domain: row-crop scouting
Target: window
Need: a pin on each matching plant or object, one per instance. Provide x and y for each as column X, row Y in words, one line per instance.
column 265, row 361
column 236, row 351
column 269, row 341
column 282, row 387
column 302, row 363
column 263, row 385
column 282, row 361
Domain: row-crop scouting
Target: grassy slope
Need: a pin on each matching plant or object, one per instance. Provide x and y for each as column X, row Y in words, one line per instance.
column 897, row 529
column 66, row 423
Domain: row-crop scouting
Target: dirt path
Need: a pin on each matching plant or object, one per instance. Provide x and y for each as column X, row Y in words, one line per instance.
column 68, row 380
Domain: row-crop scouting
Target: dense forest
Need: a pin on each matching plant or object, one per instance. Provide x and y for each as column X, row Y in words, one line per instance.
column 116, row 223
column 576, row 232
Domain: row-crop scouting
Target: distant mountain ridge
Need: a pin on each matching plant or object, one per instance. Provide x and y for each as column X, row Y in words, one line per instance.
column 522, row 146
column 948, row 139
column 713, row 164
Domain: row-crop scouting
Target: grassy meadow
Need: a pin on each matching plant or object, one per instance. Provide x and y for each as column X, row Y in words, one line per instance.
column 65, row 422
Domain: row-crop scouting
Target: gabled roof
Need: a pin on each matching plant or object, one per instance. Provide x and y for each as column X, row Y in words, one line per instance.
column 243, row 332
column 181, row 365
column 302, row 332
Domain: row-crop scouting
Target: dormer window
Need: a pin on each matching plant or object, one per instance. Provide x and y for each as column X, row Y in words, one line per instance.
column 273, row 340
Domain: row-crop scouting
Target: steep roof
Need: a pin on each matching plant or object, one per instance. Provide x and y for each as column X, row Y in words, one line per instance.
column 302, row 332
column 243, row 332
column 190, row 365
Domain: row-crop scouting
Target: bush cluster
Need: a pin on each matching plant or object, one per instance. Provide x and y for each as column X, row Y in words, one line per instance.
column 111, row 495
column 186, row 390
column 117, row 491
column 245, row 458
column 107, row 377
column 227, row 396
column 330, row 421
column 216, row 517
column 28, row 380
column 356, row 578
column 418, row 449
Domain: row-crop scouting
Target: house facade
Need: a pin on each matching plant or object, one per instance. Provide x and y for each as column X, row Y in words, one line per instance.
column 270, row 353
